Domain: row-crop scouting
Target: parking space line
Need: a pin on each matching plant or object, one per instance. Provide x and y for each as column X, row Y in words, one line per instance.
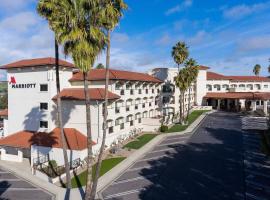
column 19, row 189
column 134, row 179
column 168, row 149
column 184, row 138
column 124, row 193
column 154, row 158
column 145, row 167
column 181, row 142
column 10, row 179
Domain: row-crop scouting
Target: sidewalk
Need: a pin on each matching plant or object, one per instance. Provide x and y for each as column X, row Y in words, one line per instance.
column 107, row 178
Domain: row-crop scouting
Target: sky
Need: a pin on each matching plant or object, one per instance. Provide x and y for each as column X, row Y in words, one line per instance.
column 228, row 36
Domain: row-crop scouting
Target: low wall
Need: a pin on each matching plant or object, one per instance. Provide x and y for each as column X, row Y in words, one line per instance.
column 202, row 108
column 11, row 157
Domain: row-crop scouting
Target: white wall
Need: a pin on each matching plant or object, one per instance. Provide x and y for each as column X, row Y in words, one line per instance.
column 56, row 154
column 201, row 87
column 24, row 112
column 11, row 157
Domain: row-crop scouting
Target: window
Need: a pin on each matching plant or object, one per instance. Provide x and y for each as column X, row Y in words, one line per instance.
column 122, row 92
column 140, row 91
column 131, row 92
column 153, row 91
column 158, row 91
column 43, row 106
column 150, row 104
column 118, row 86
column 43, row 87
column 131, row 123
column 136, row 107
column 111, row 129
column 127, row 108
column 117, row 110
column 139, row 120
column 43, row 124
column 143, row 105
column 146, row 91
column 265, row 86
column 122, row 126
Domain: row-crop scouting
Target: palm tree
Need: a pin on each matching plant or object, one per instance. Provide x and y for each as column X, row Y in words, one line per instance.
column 269, row 66
column 76, row 27
column 193, row 74
column 112, row 13
column 59, row 106
column 180, row 53
column 257, row 69
column 181, row 81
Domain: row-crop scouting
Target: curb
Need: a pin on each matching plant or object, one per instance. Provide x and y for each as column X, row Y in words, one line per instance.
column 118, row 170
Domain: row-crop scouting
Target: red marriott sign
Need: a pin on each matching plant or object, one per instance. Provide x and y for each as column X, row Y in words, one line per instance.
column 14, row 84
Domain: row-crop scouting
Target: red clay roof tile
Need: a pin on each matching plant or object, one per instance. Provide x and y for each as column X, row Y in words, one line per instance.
column 78, row 94
column 239, row 95
column 4, row 112
column 216, row 76
column 24, row 139
column 99, row 74
column 37, row 62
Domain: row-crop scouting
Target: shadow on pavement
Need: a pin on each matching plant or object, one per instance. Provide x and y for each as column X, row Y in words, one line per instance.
column 4, row 185
column 208, row 167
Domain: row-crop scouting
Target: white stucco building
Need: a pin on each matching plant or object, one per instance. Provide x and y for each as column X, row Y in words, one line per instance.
column 137, row 101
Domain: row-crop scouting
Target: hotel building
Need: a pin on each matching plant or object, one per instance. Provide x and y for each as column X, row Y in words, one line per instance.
column 137, row 102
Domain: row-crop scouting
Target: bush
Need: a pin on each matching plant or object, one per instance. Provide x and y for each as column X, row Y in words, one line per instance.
column 53, row 164
column 164, row 128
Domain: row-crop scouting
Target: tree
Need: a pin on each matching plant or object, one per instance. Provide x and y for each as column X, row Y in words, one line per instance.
column 181, row 81
column 41, row 7
column 193, row 71
column 257, row 69
column 100, row 66
column 112, row 13
column 180, row 53
column 76, row 26
column 269, row 66
column 4, row 101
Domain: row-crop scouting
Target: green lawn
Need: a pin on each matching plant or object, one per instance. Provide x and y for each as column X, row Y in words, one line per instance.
column 192, row 117
column 107, row 165
column 140, row 141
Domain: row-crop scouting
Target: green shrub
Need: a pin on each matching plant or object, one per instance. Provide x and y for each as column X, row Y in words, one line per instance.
column 53, row 164
column 164, row 128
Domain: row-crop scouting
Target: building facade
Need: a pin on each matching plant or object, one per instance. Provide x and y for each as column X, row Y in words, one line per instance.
column 137, row 101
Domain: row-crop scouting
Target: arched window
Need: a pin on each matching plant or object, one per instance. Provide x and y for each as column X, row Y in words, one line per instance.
column 217, row 87
column 209, row 87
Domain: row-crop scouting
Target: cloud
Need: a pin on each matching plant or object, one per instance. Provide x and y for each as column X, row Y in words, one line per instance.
column 254, row 43
column 120, row 37
column 20, row 22
column 179, row 7
column 200, row 37
column 12, row 5
column 164, row 40
column 243, row 10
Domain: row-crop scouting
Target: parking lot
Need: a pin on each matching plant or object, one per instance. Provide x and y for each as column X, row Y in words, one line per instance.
column 15, row 188
column 207, row 164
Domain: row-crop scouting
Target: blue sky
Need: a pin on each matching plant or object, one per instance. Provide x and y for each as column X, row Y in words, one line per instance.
column 228, row 36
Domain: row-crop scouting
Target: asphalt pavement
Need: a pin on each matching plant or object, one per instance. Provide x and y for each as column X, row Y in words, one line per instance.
column 15, row 188
column 205, row 165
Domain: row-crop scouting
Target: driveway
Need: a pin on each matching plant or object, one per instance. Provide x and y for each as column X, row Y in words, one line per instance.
column 14, row 188
column 207, row 165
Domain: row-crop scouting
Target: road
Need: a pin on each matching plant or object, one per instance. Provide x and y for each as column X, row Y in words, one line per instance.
column 207, row 165
column 15, row 188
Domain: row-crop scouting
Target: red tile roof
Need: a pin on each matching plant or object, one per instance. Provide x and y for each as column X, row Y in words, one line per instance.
column 24, row 139
column 249, row 78
column 78, row 94
column 216, row 76
column 239, row 95
column 4, row 112
column 201, row 67
column 37, row 62
column 99, row 74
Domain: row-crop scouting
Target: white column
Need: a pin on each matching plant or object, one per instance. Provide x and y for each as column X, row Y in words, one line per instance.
column 254, row 104
column 218, row 106
column 265, row 107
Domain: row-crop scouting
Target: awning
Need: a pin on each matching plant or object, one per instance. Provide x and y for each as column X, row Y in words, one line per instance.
column 238, row 95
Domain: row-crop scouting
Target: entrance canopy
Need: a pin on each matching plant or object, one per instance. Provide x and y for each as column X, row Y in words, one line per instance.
column 238, row 95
